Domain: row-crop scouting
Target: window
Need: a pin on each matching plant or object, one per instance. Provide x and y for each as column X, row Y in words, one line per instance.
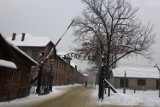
column 122, row 83
column 55, row 76
column 57, row 63
column 60, row 64
column 141, row 82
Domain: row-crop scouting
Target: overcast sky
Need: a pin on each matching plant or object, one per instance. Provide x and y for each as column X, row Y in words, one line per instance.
column 51, row 18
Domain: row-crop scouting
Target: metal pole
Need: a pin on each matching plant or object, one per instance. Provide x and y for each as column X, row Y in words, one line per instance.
column 159, row 83
column 124, row 89
column 64, row 33
column 108, row 91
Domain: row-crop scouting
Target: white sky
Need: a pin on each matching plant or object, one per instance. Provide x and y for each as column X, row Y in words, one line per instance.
column 51, row 18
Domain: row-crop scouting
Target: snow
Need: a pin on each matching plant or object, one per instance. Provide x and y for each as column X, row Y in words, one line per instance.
column 85, row 75
column 29, row 40
column 73, row 64
column 149, row 98
column 34, row 98
column 7, row 64
column 138, row 72
column 19, row 50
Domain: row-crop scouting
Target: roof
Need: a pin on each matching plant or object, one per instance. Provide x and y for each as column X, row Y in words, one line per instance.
column 73, row 64
column 6, row 49
column 10, row 47
column 29, row 40
column 86, row 75
column 22, row 53
column 136, row 72
column 8, row 64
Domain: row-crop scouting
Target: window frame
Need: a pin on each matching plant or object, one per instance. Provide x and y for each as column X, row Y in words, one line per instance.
column 141, row 82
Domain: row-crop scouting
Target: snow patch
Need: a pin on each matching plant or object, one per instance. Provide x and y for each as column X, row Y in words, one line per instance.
column 7, row 64
column 140, row 98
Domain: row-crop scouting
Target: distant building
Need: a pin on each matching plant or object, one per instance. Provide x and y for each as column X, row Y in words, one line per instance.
column 140, row 78
column 71, row 74
column 15, row 70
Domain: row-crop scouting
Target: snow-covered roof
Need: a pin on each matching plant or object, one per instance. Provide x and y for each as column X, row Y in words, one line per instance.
column 20, row 51
column 29, row 40
column 7, row 64
column 14, row 47
column 136, row 72
column 72, row 64
column 86, row 75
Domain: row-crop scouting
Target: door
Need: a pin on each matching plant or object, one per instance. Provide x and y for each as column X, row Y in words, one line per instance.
column 157, row 84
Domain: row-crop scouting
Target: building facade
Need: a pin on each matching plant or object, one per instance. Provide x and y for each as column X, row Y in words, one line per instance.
column 65, row 72
column 38, row 48
column 57, row 70
column 139, row 78
column 15, row 70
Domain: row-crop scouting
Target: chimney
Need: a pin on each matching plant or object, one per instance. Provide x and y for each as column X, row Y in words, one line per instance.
column 13, row 36
column 23, row 37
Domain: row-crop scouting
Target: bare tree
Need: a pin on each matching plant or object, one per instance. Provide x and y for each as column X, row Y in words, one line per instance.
column 110, row 28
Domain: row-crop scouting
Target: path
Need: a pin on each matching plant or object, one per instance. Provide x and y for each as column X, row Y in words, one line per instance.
column 74, row 97
column 77, row 97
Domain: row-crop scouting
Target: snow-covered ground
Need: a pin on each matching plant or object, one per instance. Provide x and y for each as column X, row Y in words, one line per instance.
column 34, row 98
column 149, row 98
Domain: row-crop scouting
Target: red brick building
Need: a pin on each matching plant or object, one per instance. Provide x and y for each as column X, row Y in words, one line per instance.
column 38, row 48
column 15, row 70
column 71, row 74
column 62, row 71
